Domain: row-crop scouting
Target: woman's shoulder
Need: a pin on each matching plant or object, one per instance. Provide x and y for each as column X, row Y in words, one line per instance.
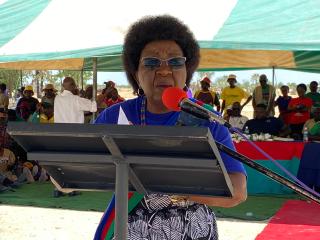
column 110, row 114
column 221, row 133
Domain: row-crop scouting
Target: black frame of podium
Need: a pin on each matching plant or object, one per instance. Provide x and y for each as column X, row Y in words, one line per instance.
column 165, row 159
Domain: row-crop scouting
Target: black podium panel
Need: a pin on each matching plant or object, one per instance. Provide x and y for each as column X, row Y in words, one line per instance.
column 177, row 160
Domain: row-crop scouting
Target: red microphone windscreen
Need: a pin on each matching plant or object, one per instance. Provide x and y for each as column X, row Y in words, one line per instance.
column 172, row 96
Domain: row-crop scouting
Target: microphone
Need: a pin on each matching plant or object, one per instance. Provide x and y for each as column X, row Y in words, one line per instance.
column 176, row 99
column 205, row 105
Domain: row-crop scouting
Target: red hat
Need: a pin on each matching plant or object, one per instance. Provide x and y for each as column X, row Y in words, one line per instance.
column 206, row 79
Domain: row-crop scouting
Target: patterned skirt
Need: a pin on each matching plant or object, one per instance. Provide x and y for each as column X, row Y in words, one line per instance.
column 156, row 217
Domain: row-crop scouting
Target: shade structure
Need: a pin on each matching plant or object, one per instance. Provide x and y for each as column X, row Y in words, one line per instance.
column 265, row 34
column 67, row 34
column 243, row 34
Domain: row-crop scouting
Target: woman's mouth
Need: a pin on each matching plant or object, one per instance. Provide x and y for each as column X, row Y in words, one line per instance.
column 163, row 85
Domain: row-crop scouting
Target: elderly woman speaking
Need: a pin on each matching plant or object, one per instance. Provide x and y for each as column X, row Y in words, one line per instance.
column 161, row 52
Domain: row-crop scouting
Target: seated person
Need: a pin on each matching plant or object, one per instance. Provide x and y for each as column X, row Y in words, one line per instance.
column 236, row 119
column 7, row 160
column 32, row 172
column 103, row 97
column 313, row 125
column 264, row 124
column 44, row 114
column 227, row 113
column 5, row 183
column 113, row 97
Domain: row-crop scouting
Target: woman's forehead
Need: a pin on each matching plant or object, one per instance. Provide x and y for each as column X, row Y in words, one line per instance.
column 162, row 47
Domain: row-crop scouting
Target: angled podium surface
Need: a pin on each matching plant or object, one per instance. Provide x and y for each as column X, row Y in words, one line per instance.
column 164, row 159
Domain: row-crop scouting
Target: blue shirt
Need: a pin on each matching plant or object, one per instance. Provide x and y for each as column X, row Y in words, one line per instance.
column 283, row 103
column 132, row 109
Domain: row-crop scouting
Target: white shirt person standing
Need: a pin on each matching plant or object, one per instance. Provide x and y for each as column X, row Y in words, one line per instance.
column 69, row 107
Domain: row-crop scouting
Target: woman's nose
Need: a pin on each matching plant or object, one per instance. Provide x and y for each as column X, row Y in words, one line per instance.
column 164, row 69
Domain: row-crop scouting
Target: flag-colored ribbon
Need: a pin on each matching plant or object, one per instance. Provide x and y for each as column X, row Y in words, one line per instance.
column 105, row 228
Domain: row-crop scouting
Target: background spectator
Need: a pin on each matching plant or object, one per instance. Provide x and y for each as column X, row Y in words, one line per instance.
column 103, row 97
column 299, row 111
column 282, row 102
column 4, row 99
column 49, row 94
column 314, row 95
column 113, row 97
column 88, row 94
column 236, row 119
column 44, row 114
column 233, row 94
column 264, row 94
column 206, row 95
column 70, row 108
column 32, row 172
column 7, row 160
column 27, row 105
column 313, row 125
column 262, row 123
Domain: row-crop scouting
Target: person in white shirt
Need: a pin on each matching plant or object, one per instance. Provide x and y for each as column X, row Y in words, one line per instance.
column 70, row 108
column 236, row 119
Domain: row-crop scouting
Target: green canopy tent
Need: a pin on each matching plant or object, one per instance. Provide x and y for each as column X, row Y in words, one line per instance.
column 267, row 34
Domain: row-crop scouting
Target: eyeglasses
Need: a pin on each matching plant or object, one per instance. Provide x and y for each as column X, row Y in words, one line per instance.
column 154, row 62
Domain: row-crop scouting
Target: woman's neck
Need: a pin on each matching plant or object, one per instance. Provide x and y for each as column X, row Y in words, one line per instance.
column 156, row 106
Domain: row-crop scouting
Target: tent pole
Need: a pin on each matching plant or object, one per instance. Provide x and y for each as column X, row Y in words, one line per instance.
column 21, row 84
column 273, row 75
column 81, row 79
column 94, row 81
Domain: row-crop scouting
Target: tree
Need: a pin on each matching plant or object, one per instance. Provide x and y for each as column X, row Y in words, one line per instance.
column 221, row 82
column 247, row 85
column 255, row 79
column 14, row 79
column 202, row 75
column 292, row 88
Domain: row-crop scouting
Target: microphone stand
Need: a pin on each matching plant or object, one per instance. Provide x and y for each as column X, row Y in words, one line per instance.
column 200, row 112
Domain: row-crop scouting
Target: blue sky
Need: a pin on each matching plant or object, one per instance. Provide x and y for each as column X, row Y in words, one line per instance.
column 283, row 76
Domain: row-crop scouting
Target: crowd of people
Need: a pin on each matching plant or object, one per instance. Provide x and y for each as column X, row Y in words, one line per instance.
column 70, row 106
column 297, row 116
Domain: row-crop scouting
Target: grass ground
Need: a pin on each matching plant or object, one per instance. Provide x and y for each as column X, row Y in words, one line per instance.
column 256, row 208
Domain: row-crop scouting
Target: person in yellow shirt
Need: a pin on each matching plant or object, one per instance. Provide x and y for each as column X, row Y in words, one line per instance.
column 233, row 94
column 206, row 95
column 44, row 114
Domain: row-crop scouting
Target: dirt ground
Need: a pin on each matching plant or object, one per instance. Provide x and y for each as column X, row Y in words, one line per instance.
column 28, row 223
